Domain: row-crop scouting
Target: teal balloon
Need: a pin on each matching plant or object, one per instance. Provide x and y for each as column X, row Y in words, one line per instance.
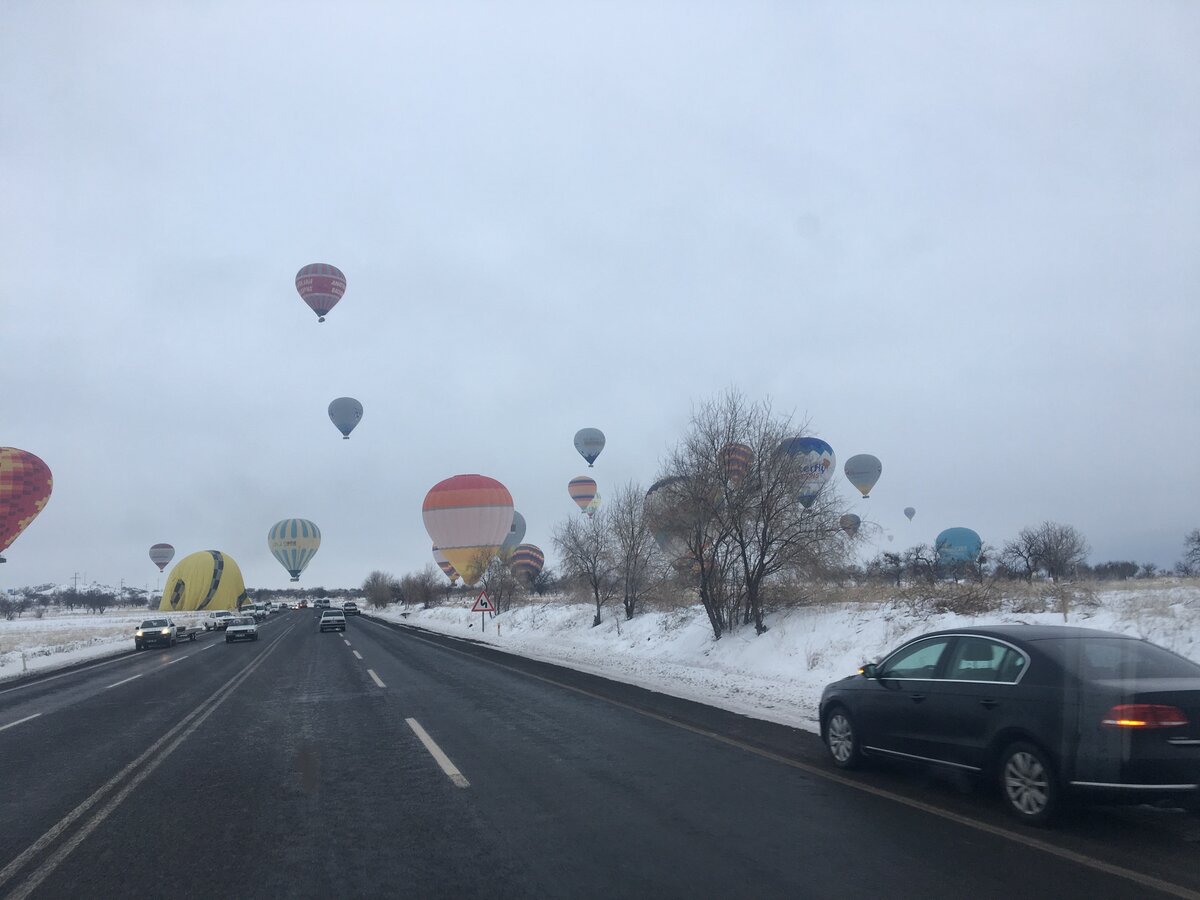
column 958, row 545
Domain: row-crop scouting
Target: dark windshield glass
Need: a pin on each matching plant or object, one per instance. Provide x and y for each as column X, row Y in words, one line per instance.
column 1104, row 659
column 153, row 623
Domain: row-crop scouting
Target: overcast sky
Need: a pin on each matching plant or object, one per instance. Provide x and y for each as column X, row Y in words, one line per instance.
column 962, row 237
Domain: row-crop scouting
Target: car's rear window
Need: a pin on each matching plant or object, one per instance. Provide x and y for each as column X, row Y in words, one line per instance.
column 1106, row 659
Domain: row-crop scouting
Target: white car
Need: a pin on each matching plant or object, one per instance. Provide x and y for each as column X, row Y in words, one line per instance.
column 218, row 619
column 333, row 620
column 241, row 628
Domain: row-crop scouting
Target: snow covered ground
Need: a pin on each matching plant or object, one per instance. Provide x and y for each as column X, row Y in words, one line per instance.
column 776, row 676
column 779, row 675
column 30, row 644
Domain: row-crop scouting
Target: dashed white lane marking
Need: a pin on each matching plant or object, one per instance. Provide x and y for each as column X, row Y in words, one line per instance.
column 19, row 721
column 176, row 659
column 356, row 653
column 375, row 677
column 347, row 643
column 124, row 681
column 435, row 751
column 206, row 647
column 63, row 675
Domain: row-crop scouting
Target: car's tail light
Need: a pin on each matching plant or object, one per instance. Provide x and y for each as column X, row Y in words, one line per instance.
column 1144, row 715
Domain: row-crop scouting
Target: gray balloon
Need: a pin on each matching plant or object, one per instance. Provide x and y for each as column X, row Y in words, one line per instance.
column 345, row 413
column 516, row 534
column 589, row 442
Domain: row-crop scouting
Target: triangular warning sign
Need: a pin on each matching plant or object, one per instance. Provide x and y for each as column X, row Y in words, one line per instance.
column 483, row 603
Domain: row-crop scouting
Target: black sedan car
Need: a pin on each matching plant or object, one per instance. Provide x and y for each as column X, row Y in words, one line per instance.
column 1046, row 712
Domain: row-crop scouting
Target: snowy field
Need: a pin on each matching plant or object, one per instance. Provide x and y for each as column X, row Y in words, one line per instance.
column 776, row 676
column 779, row 675
column 59, row 639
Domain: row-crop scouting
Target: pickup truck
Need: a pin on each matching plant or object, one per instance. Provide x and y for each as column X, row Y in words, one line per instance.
column 155, row 631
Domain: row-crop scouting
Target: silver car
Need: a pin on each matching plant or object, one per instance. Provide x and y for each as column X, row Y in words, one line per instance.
column 241, row 628
column 333, row 620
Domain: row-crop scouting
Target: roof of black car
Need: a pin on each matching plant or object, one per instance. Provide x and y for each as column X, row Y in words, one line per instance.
column 1018, row 631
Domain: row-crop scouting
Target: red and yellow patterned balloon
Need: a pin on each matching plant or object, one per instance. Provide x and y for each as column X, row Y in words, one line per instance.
column 25, row 486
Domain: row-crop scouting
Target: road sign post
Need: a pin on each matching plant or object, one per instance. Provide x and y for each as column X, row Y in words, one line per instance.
column 483, row 606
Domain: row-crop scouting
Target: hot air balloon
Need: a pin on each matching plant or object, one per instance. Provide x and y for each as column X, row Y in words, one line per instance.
column 161, row 554
column 583, row 491
column 589, row 442
column 736, row 459
column 660, row 501
column 527, row 562
column 516, row 534
column 592, row 508
column 957, row 545
column 25, row 486
column 863, row 471
column 850, row 523
column 209, row 579
column 468, row 517
column 816, row 462
column 321, row 286
column 345, row 413
column 910, row 512
column 294, row 543
column 444, row 564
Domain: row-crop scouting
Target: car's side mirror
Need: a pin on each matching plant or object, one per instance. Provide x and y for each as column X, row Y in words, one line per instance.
column 869, row 670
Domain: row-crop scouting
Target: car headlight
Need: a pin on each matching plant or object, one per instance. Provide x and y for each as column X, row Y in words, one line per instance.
column 138, row 633
column 166, row 631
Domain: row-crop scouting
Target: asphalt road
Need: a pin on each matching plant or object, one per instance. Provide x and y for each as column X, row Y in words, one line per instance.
column 390, row 762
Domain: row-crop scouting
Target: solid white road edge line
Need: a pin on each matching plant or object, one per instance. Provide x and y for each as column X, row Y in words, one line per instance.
column 124, row 681
column 375, row 677
column 356, row 653
column 436, row 752
column 107, row 662
column 19, row 721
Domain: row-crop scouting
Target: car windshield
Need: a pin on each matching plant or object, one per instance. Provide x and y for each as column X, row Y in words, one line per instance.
column 154, row 623
column 1115, row 658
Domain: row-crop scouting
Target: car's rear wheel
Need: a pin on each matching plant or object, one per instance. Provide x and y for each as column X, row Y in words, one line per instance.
column 1028, row 783
column 841, row 739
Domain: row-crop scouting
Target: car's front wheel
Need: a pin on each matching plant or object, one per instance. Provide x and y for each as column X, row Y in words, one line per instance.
column 1028, row 784
column 841, row 739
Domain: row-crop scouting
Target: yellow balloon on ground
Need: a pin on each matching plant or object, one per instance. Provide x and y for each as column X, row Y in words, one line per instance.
column 208, row 579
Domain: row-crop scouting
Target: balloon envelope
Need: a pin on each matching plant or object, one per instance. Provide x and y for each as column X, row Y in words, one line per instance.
column 863, row 471
column 161, row 554
column 345, row 413
column 736, row 459
column 321, row 286
column 816, row 462
column 850, row 523
column 25, row 486
column 444, row 564
column 592, row 508
column 957, row 545
column 910, row 512
column 589, row 442
column 660, row 504
column 468, row 517
column 294, row 543
column 582, row 490
column 527, row 562
column 516, row 534
column 209, row 579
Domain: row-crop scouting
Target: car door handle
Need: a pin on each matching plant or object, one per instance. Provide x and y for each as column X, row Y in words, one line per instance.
column 916, row 698
column 989, row 702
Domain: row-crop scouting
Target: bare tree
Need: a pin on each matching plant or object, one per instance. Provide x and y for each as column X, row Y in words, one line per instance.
column 585, row 548
column 501, row 584
column 380, row 588
column 1190, row 564
column 1052, row 548
column 732, row 495
column 421, row 587
column 1022, row 554
column 634, row 552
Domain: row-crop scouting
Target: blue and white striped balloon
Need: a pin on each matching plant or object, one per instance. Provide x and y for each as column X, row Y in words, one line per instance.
column 294, row 543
